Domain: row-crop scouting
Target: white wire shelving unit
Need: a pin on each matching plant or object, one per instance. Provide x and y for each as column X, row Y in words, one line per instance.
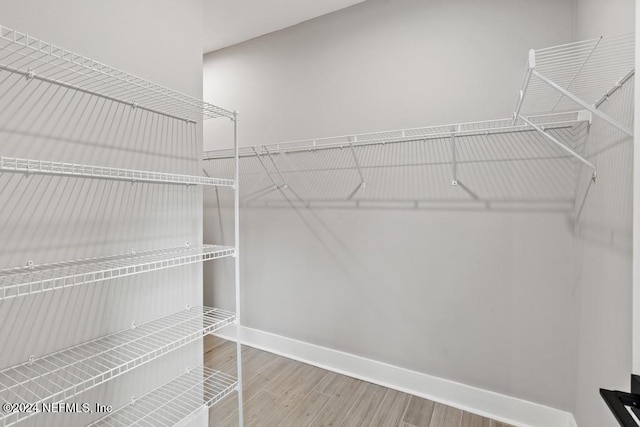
column 472, row 164
column 45, row 167
column 175, row 403
column 35, row 59
column 67, row 373
column 33, row 279
column 491, row 163
column 33, row 62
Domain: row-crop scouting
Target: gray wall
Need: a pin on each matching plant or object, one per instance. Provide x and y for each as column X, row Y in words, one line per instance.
column 595, row 18
column 484, row 298
column 47, row 219
column 604, row 238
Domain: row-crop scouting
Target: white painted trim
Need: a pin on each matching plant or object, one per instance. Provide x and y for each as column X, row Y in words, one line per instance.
column 493, row 405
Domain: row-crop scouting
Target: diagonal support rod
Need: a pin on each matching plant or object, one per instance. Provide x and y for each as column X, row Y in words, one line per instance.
column 561, row 145
column 584, row 104
column 275, row 185
column 284, row 181
column 266, row 190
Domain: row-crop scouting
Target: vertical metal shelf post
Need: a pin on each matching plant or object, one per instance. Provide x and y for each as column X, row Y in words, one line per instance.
column 236, row 213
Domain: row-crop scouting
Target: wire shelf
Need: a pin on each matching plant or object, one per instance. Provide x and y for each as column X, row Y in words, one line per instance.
column 33, row 279
column 472, row 165
column 38, row 60
column 470, row 129
column 44, row 167
column 67, row 373
column 176, row 402
column 589, row 69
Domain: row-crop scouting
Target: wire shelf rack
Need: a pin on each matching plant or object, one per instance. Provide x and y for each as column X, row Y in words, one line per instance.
column 176, row 402
column 470, row 165
column 584, row 73
column 67, row 373
column 470, row 129
column 45, row 167
column 33, row 279
column 35, row 59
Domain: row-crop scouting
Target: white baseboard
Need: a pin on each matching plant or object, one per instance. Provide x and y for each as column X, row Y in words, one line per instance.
column 493, row 405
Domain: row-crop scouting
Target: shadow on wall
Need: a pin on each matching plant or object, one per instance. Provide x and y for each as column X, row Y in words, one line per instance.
column 607, row 207
column 603, row 270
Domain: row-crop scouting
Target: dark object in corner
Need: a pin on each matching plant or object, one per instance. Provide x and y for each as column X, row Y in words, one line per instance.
column 619, row 401
column 635, row 384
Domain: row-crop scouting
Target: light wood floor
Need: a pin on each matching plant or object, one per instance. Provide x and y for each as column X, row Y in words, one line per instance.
column 283, row 392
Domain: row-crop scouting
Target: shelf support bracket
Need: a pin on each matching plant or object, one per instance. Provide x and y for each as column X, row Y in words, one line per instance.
column 267, row 190
column 584, row 104
column 531, row 65
column 270, row 189
column 562, row 146
column 284, row 181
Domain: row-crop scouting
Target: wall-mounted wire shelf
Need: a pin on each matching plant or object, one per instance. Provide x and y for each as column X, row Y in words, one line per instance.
column 33, row 279
column 67, row 373
column 175, row 403
column 583, row 74
column 470, row 165
column 38, row 60
column 45, row 167
column 470, row 129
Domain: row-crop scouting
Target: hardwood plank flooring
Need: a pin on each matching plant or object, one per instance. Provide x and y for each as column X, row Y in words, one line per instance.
column 391, row 411
column 366, row 406
column 284, row 392
column 419, row 412
column 445, row 416
column 472, row 420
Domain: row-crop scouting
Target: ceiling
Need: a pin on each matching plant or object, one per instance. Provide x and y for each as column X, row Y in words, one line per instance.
column 230, row 22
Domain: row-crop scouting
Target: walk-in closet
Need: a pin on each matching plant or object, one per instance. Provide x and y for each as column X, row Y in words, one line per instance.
column 414, row 213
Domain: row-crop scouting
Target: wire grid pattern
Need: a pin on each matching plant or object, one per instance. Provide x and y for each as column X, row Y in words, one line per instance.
column 175, row 402
column 21, row 281
column 589, row 69
column 401, row 135
column 507, row 165
column 67, row 373
column 11, row 164
column 36, row 59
